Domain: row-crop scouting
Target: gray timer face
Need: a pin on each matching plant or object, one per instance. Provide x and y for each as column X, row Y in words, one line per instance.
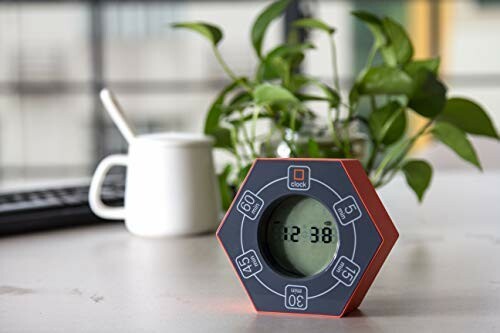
column 306, row 235
column 300, row 236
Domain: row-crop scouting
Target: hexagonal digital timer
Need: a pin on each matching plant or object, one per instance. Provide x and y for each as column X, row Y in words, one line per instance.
column 307, row 236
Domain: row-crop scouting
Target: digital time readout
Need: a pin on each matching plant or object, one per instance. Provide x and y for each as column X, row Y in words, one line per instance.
column 300, row 236
column 295, row 233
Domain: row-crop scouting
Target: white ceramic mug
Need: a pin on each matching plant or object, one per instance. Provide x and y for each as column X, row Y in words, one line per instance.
column 170, row 186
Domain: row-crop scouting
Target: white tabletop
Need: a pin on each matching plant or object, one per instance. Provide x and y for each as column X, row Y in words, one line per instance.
column 443, row 275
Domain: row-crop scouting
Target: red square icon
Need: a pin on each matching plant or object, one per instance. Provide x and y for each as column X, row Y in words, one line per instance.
column 298, row 177
column 298, row 174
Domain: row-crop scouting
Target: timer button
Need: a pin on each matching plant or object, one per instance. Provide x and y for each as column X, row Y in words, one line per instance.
column 346, row 271
column 347, row 210
column 295, row 297
column 249, row 264
column 250, row 205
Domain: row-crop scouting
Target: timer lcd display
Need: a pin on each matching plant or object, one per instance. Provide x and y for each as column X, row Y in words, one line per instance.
column 300, row 236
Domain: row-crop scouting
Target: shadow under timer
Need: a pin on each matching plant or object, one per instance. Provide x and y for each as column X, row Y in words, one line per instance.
column 307, row 236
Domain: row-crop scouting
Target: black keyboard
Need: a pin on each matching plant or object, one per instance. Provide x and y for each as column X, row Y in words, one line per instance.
column 54, row 207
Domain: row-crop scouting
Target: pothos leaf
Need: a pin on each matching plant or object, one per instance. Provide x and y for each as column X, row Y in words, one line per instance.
column 354, row 94
column 222, row 138
column 388, row 123
column 267, row 94
column 456, row 139
column 259, row 28
column 385, row 80
column 374, row 24
column 429, row 94
column 414, row 66
column 399, row 49
column 240, row 100
column 280, row 60
column 298, row 81
column 313, row 148
column 289, row 49
column 270, row 69
column 468, row 116
column 221, row 135
column 242, row 173
column 329, row 94
column 211, row 32
column 212, row 120
column 312, row 23
column 418, row 174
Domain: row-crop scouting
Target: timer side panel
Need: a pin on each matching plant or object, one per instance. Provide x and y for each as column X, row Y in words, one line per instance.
column 382, row 222
column 224, row 245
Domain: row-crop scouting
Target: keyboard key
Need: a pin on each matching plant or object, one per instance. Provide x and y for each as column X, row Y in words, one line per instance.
column 20, row 206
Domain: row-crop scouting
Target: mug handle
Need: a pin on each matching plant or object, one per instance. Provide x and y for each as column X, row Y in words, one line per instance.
column 98, row 207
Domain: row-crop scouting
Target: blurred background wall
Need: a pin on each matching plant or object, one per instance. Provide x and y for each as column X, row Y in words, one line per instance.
column 56, row 55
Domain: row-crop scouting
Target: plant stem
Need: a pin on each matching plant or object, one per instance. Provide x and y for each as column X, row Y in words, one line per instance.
column 234, row 135
column 268, row 139
column 371, row 160
column 290, row 145
column 332, row 130
column 369, row 63
column 247, row 138
column 254, row 122
column 335, row 69
column 384, row 181
column 286, row 78
column 335, row 72
column 374, row 152
column 347, row 143
column 228, row 70
column 390, row 121
column 400, row 150
column 371, row 56
column 293, row 119
column 387, row 159
column 382, row 133
column 373, row 103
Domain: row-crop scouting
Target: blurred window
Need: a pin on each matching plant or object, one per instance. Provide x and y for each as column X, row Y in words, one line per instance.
column 55, row 56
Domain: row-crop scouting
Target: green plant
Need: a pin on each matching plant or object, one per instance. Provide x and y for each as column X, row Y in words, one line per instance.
column 390, row 87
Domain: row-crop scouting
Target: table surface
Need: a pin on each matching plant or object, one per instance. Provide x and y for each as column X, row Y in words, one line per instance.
column 443, row 275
